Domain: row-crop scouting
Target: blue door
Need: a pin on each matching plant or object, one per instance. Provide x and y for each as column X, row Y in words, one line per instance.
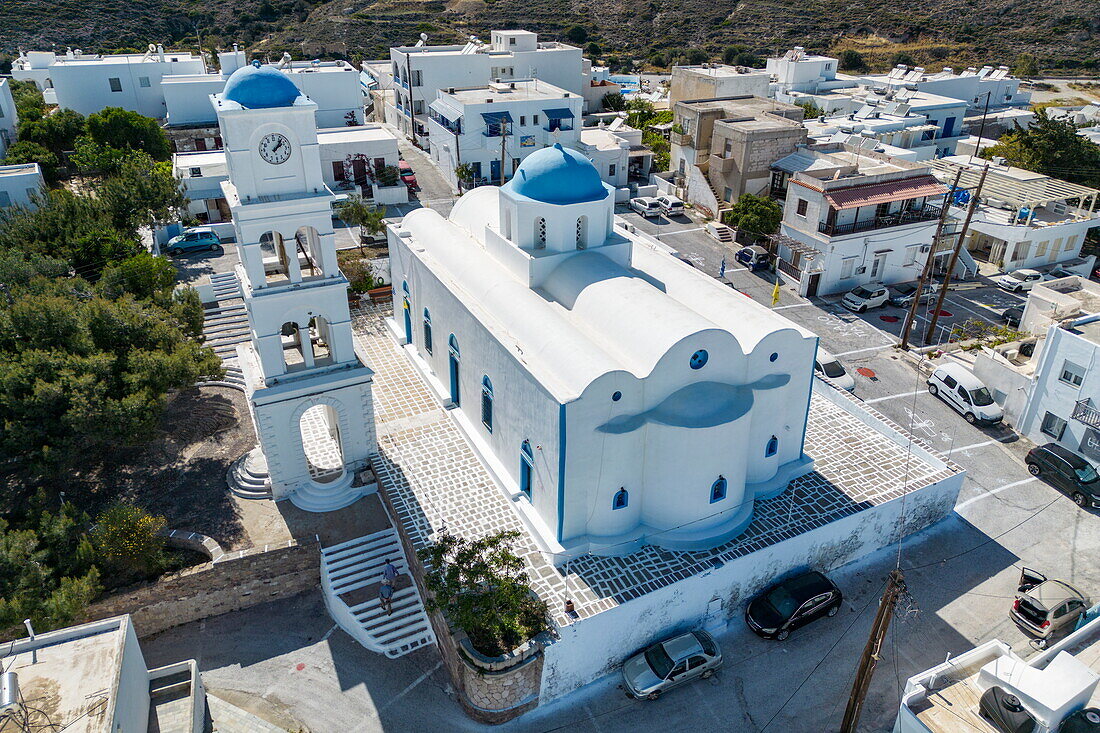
column 525, row 462
column 454, row 356
column 949, row 127
column 408, row 321
column 494, row 171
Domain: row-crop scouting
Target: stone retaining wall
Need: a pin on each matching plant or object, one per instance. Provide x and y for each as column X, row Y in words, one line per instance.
column 235, row 581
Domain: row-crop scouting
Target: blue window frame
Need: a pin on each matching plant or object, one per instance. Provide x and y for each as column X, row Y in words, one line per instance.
column 773, row 447
column 718, row 490
column 452, row 363
column 526, row 467
column 427, row 331
column 621, row 498
column 487, row 403
column 699, row 359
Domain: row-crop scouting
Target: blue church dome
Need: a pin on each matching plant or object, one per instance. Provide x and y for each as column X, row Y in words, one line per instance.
column 557, row 175
column 260, row 87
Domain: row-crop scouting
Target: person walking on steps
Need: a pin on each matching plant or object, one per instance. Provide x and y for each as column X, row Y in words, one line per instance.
column 389, row 572
column 385, row 598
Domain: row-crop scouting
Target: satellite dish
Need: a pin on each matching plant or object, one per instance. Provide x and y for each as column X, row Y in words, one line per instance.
column 423, row 36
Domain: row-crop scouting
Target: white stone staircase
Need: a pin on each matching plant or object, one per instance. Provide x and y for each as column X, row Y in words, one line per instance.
column 356, row 565
column 226, row 323
column 248, row 477
column 328, row 497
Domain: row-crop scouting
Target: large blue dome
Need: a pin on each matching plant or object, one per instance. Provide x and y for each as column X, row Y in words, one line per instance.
column 260, row 87
column 557, row 175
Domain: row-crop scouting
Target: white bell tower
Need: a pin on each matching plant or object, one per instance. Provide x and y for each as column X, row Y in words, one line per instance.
column 309, row 392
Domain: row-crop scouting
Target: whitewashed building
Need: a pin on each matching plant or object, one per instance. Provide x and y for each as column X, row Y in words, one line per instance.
column 309, row 393
column 507, row 121
column 800, row 71
column 853, row 217
column 420, row 71
column 710, row 81
column 1023, row 219
column 891, row 128
column 624, row 413
column 93, row 678
column 19, row 184
column 9, row 118
column 972, row 85
column 617, row 151
column 87, row 83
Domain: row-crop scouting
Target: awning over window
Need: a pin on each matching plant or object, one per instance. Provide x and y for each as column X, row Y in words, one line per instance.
column 495, row 118
column 559, row 114
column 881, row 193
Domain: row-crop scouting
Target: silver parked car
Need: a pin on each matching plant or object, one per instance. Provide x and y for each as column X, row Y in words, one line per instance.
column 671, row 663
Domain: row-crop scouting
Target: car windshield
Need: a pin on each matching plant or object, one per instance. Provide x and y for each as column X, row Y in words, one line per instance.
column 832, row 369
column 783, row 602
column 905, row 289
column 981, row 397
column 658, row 660
column 862, row 292
column 1018, row 275
column 1087, row 474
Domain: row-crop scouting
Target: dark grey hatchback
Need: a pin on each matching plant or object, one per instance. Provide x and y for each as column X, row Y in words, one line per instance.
column 1067, row 471
column 795, row 602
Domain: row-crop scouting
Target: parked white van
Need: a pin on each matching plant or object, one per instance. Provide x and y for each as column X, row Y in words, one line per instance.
column 957, row 386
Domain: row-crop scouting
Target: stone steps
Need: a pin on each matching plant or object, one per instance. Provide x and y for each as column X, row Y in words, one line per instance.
column 248, row 478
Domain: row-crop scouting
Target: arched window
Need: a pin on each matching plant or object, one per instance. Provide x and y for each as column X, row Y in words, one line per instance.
column 427, row 331
column 619, row 501
column 540, row 233
column 487, row 403
column 582, row 232
column 405, row 287
column 773, row 447
column 718, row 490
column 699, row 359
column 452, row 363
column 526, row 467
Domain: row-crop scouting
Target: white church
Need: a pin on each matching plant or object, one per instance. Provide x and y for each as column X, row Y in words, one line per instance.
column 630, row 398
column 308, row 391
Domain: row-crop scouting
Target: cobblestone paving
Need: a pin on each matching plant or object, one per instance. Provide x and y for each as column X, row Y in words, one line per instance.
column 435, row 480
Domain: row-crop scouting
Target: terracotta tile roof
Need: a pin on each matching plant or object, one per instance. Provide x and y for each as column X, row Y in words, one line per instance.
column 879, row 193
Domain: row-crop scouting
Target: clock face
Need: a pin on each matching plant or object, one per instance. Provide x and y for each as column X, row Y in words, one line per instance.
column 275, row 148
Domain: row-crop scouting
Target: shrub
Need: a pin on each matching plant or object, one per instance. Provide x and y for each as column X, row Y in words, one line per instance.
column 126, row 539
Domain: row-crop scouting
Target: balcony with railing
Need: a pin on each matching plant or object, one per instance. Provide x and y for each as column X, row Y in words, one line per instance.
column 894, row 219
column 1085, row 412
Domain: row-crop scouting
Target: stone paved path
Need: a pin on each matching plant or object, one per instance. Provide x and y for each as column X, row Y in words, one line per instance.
column 435, row 480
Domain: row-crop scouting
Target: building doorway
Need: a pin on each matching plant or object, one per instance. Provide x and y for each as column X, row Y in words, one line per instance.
column 526, row 468
column 453, row 359
column 320, row 432
column 877, row 266
column 812, row 284
column 406, row 309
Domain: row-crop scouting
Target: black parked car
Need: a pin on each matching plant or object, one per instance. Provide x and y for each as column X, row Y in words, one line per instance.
column 795, row 602
column 1066, row 471
column 1011, row 316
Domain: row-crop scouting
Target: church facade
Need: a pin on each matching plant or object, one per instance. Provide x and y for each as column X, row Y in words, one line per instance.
column 627, row 398
column 309, row 392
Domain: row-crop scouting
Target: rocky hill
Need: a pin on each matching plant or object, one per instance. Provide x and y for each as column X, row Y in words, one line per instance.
column 1060, row 34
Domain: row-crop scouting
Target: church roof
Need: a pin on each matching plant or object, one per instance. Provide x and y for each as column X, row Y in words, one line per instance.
column 260, row 87
column 557, row 175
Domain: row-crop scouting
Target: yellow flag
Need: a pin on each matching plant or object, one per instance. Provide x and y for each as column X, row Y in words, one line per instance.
column 775, row 292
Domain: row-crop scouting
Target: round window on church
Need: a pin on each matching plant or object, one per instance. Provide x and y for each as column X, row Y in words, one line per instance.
column 774, row 356
column 699, row 359
column 616, row 397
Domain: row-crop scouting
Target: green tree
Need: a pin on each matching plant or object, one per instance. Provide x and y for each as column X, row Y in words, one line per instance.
column 144, row 276
column 56, row 132
column 659, row 60
column 593, row 50
column 696, row 56
column 1051, row 147
column 730, row 53
column 119, row 128
column 748, row 59
column 127, row 540
column 29, row 103
column 464, row 174
column 576, row 34
column 141, row 193
column 482, row 587
column 851, row 60
column 1025, row 65
column 811, row 110
column 25, row 151
column 757, row 215
column 613, row 102
column 901, row 57
column 358, row 213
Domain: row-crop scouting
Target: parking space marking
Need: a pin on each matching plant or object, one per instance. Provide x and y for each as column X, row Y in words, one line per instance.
column 986, row 495
column 793, row 305
column 893, row 397
column 860, row 351
column 974, row 445
column 679, row 231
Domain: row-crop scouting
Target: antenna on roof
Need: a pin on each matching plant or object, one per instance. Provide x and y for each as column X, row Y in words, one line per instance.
column 423, row 40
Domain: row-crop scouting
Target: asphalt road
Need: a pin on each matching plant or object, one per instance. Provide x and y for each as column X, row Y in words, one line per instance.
column 961, row 576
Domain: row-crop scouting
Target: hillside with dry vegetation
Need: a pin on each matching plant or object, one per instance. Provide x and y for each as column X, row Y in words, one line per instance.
column 1059, row 34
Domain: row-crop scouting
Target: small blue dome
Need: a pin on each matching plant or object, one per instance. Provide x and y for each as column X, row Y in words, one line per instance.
column 260, row 87
column 557, row 175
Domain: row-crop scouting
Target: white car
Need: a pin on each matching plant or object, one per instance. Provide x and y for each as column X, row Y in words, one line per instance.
column 671, row 205
column 1018, row 280
column 827, row 365
column 647, row 206
column 866, row 297
column 957, row 386
column 1058, row 273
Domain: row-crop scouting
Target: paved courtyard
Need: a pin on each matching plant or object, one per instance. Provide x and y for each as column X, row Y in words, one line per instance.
column 435, row 480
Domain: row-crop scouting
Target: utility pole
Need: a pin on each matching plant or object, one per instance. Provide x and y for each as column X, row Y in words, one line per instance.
column 927, row 270
column 981, row 129
column 955, row 257
column 458, row 155
column 412, row 113
column 895, row 585
column 503, row 138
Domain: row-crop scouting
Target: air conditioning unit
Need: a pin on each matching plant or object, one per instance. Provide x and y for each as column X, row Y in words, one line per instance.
column 925, row 247
column 861, row 270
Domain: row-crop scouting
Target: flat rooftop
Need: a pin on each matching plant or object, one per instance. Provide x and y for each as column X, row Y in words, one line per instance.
column 74, row 682
column 362, row 133
column 526, row 90
column 721, row 70
column 130, row 58
column 19, row 169
column 434, row 479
